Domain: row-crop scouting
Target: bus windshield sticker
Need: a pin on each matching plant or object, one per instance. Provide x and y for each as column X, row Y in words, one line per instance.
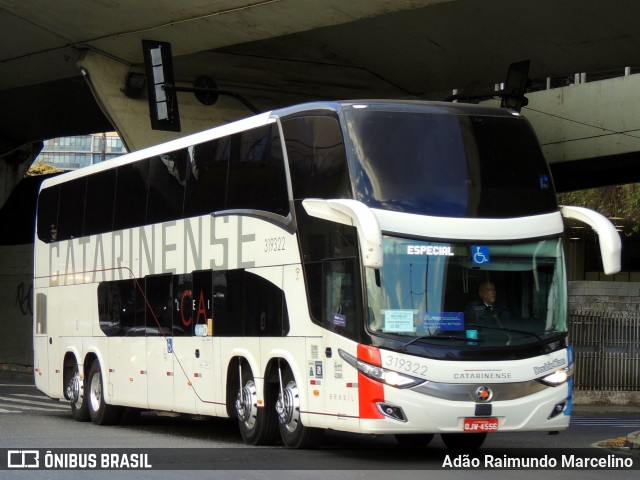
column 398, row 320
column 480, row 255
column 448, row 321
column 339, row 320
column 544, row 181
column 431, row 250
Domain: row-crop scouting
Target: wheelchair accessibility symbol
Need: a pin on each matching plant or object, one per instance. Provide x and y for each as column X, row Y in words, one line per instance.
column 480, row 255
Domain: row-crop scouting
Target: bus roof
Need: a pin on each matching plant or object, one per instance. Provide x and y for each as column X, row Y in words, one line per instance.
column 271, row 116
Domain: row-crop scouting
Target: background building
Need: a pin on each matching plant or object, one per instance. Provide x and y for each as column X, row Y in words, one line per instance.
column 69, row 153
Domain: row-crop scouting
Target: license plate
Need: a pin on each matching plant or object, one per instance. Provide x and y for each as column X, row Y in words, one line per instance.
column 480, row 425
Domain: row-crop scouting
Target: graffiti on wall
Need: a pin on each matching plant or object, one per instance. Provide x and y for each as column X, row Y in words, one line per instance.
column 23, row 298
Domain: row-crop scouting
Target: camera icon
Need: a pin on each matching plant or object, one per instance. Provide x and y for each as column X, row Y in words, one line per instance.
column 23, row 459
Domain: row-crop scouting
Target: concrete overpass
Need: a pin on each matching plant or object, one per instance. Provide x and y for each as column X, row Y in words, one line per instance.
column 63, row 70
column 279, row 52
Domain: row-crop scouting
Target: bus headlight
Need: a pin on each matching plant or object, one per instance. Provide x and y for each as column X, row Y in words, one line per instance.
column 558, row 377
column 380, row 374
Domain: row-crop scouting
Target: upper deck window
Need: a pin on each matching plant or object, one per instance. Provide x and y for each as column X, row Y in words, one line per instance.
column 448, row 165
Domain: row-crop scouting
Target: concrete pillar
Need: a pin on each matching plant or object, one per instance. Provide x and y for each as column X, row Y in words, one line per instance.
column 16, row 309
column 130, row 117
column 13, row 167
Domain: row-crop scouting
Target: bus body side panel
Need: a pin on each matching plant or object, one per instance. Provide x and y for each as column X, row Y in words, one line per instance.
column 40, row 339
column 342, row 385
column 207, row 378
column 160, row 370
column 184, row 362
column 54, row 343
column 245, row 348
column 128, row 371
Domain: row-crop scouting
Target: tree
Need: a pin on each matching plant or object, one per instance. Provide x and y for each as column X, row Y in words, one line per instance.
column 620, row 202
column 41, row 168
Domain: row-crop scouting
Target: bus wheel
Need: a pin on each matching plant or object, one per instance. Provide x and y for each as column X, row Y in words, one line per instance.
column 258, row 425
column 414, row 439
column 100, row 412
column 294, row 434
column 74, row 392
column 463, row 441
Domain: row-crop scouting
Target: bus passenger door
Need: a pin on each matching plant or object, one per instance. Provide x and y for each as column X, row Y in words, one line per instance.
column 158, row 326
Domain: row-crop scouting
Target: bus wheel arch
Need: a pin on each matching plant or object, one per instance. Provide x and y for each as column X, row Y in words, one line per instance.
column 258, row 425
column 74, row 387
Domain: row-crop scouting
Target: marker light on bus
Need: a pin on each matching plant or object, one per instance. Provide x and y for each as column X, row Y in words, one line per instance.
column 380, row 374
column 558, row 377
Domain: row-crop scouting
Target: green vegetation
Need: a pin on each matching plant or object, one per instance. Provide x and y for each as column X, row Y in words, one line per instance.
column 41, row 168
column 618, row 202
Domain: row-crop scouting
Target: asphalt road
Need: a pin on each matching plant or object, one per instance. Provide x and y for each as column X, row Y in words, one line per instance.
column 181, row 447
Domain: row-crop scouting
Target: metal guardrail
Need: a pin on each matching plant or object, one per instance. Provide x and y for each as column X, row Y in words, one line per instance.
column 606, row 349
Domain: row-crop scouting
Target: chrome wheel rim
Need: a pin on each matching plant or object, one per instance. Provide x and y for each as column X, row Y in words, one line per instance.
column 247, row 404
column 96, row 392
column 288, row 406
column 73, row 392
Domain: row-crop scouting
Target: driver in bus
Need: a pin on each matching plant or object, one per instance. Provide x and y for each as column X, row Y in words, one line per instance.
column 485, row 310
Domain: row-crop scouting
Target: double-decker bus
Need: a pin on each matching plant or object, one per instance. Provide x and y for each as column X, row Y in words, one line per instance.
column 315, row 267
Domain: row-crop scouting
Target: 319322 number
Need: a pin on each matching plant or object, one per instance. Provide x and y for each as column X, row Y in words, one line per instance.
column 408, row 366
column 275, row 244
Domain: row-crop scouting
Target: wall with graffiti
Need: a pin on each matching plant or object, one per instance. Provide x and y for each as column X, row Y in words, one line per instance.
column 16, row 309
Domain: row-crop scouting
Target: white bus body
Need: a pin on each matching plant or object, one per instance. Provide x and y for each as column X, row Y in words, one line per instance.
column 314, row 268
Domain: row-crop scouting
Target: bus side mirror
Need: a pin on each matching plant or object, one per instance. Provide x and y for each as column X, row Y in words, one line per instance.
column 357, row 214
column 608, row 236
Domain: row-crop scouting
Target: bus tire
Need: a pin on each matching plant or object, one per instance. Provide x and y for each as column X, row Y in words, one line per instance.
column 414, row 439
column 100, row 412
column 75, row 388
column 467, row 442
column 258, row 425
column 294, row 434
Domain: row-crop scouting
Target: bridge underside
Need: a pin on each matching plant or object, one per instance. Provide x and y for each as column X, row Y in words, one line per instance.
column 282, row 52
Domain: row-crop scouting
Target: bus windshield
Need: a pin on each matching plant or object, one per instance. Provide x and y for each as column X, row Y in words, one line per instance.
column 475, row 296
column 427, row 162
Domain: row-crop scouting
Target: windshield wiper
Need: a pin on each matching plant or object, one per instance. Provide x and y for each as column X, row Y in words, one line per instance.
column 438, row 337
column 543, row 343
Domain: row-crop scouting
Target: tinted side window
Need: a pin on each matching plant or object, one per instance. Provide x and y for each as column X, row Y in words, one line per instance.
column 227, row 304
column 101, row 189
column 159, row 305
column 167, row 177
column 239, row 302
column 265, row 312
column 246, row 304
column 207, row 178
column 48, row 214
column 71, row 211
column 330, row 261
column 257, row 178
column 317, row 158
column 202, row 297
column 121, row 308
column 131, row 195
column 183, row 305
